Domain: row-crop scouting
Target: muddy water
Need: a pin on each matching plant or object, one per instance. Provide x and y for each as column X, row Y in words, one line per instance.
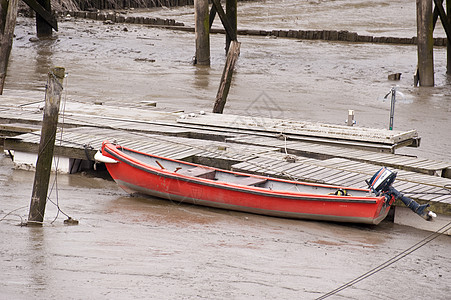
column 141, row 248
column 147, row 248
column 377, row 17
column 305, row 80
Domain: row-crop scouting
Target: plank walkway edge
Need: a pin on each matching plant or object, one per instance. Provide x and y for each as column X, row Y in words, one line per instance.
column 198, row 142
column 82, row 143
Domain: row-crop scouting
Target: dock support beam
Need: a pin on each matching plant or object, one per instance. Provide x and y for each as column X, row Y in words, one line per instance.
column 46, row 146
column 231, row 14
column 448, row 44
column 202, row 32
column 425, row 43
column 43, row 28
column 8, row 14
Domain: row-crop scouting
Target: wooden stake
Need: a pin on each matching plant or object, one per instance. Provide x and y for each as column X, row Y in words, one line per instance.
column 425, row 43
column 8, row 14
column 231, row 13
column 226, row 78
column 46, row 146
column 448, row 44
column 202, row 32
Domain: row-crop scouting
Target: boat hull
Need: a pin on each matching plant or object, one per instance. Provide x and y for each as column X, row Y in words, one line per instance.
column 135, row 176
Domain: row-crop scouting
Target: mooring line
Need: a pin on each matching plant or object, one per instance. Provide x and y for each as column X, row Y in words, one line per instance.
column 57, row 160
column 10, row 213
column 389, row 262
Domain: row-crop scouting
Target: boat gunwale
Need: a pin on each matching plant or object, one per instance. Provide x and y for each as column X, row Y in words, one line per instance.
column 117, row 152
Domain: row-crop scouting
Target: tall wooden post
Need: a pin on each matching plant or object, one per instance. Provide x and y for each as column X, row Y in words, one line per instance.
column 8, row 14
column 425, row 43
column 231, row 13
column 43, row 28
column 47, row 143
column 202, row 32
column 448, row 44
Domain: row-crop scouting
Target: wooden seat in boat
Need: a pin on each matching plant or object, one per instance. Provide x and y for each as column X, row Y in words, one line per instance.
column 249, row 181
column 199, row 172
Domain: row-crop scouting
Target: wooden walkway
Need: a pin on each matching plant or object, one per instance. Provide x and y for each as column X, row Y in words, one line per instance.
column 83, row 142
column 336, row 171
column 320, row 151
column 381, row 140
column 306, row 151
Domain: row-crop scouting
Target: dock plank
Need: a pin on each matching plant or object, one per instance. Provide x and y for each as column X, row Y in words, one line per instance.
column 302, row 128
column 254, row 147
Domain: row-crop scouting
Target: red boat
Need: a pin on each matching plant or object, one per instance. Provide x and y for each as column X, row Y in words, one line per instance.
column 181, row 181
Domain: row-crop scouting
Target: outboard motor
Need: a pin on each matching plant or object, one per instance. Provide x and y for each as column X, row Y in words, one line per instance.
column 381, row 183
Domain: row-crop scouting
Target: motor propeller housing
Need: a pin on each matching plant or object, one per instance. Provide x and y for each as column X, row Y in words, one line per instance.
column 381, row 183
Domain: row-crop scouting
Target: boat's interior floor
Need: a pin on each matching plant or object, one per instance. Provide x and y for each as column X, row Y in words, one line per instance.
column 229, row 177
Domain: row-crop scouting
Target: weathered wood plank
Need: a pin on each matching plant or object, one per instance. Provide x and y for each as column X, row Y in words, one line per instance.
column 381, row 136
column 8, row 15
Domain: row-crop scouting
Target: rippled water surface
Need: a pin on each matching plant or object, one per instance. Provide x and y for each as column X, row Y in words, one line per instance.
column 128, row 247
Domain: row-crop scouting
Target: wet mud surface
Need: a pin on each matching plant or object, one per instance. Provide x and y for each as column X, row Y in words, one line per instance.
column 123, row 64
column 146, row 248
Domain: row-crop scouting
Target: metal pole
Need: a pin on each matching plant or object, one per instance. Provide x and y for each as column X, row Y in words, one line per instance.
column 350, row 121
column 392, row 107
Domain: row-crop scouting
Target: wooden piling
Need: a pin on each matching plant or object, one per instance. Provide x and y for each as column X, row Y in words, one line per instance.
column 226, row 78
column 425, row 42
column 448, row 44
column 231, row 14
column 46, row 146
column 8, row 14
column 202, row 32
column 43, row 28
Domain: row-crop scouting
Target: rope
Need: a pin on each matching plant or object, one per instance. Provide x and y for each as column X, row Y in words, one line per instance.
column 389, row 262
column 4, row 217
column 56, row 80
column 56, row 160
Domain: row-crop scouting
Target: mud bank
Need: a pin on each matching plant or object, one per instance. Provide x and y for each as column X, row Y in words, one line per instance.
column 325, row 35
column 275, row 77
column 145, row 248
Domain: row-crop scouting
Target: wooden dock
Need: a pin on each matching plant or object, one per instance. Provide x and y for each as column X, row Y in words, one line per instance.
column 313, row 152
